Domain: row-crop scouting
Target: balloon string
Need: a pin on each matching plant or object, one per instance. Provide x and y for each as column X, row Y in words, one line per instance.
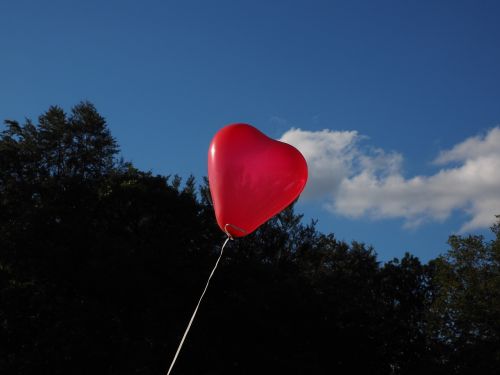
column 196, row 309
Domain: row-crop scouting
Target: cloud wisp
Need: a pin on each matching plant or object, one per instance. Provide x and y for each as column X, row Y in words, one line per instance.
column 361, row 181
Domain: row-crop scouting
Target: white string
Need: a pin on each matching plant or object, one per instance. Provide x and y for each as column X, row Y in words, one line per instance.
column 196, row 309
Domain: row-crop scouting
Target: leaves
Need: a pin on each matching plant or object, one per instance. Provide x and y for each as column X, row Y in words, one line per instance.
column 101, row 265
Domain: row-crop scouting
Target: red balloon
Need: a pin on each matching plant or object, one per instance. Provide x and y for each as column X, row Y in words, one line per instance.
column 252, row 177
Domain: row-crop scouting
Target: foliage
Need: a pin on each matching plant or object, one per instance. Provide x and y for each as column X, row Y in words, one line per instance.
column 101, row 265
column 466, row 310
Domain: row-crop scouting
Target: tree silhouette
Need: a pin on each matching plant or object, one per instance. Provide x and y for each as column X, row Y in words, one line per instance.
column 101, row 265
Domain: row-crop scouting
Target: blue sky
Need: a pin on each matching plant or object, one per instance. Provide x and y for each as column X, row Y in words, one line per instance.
column 406, row 81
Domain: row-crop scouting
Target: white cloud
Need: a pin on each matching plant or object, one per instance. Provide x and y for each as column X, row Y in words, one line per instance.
column 329, row 154
column 472, row 148
column 360, row 181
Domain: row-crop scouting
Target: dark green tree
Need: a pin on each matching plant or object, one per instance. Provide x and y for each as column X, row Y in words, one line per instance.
column 101, row 265
column 465, row 314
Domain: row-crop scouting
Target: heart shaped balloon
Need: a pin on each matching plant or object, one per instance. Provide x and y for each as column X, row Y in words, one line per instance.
column 252, row 177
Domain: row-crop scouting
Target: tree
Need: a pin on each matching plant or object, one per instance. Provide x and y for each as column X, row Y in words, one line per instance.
column 101, row 265
column 407, row 294
column 465, row 314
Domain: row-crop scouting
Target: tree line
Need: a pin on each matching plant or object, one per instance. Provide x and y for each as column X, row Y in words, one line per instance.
column 101, row 265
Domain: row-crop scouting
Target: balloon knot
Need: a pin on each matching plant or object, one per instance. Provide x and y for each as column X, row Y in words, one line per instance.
column 234, row 227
